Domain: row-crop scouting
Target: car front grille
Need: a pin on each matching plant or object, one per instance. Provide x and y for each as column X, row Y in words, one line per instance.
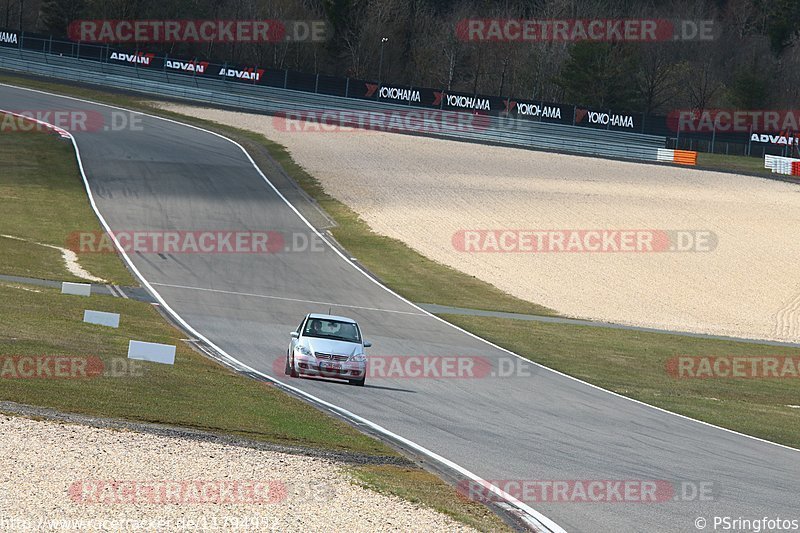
column 331, row 357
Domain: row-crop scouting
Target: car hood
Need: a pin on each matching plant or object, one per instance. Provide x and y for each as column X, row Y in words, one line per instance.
column 332, row 346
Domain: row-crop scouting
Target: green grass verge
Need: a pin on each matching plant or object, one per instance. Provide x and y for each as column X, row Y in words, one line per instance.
column 195, row 392
column 406, row 271
column 637, row 359
column 415, row 486
column 46, row 200
column 409, row 273
column 732, row 163
column 38, row 208
column 630, row 363
column 634, row 364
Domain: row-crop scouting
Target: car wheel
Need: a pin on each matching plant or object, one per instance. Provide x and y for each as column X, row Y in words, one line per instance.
column 358, row 382
column 290, row 370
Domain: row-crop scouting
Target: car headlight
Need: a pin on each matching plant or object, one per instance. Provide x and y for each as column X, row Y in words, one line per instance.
column 303, row 350
column 358, row 358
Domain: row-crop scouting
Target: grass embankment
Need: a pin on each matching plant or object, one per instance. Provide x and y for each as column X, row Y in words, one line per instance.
column 628, row 362
column 409, row 273
column 36, row 207
column 43, row 200
column 732, row 163
column 634, row 364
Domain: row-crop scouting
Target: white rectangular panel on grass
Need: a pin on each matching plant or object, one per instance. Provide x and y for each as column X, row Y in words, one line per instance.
column 78, row 289
column 150, row 351
column 101, row 318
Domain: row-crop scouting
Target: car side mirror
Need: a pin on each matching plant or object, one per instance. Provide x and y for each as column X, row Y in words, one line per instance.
column 367, row 344
column 294, row 335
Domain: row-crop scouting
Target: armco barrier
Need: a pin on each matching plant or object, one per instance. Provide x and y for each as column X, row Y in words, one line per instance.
column 271, row 100
column 155, row 58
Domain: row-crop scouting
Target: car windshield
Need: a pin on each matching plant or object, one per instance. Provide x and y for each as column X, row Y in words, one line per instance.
column 332, row 329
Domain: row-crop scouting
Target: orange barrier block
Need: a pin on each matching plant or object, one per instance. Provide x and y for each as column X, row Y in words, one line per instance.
column 685, row 157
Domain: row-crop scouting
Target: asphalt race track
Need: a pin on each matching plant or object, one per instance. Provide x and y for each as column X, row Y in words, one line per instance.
column 542, row 426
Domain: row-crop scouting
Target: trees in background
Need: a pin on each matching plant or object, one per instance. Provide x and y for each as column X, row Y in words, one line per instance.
column 753, row 60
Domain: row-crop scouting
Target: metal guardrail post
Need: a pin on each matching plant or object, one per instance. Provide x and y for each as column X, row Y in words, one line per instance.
column 713, row 135
column 136, row 63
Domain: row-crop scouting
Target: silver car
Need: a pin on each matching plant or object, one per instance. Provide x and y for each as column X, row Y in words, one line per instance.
column 328, row 346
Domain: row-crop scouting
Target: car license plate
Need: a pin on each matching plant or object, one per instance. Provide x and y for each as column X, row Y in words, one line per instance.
column 330, row 366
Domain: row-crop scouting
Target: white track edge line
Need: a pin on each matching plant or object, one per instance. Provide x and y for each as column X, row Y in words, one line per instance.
column 335, row 249
column 538, row 517
column 391, row 291
column 708, row 424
